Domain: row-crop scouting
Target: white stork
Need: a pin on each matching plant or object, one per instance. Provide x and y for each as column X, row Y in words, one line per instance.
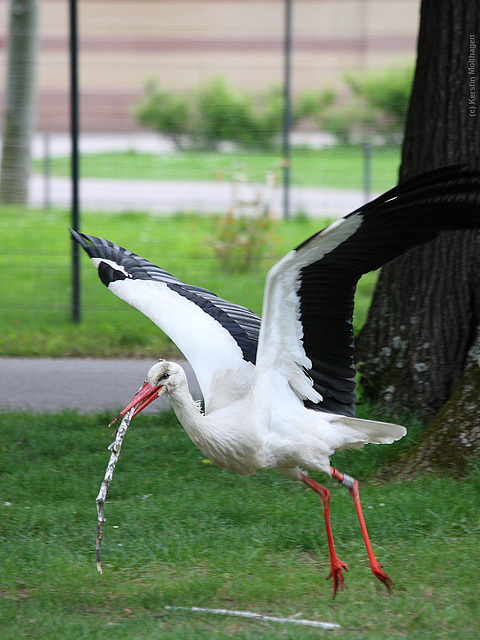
column 280, row 393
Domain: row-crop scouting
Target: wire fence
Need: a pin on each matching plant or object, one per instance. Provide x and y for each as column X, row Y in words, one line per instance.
column 210, row 81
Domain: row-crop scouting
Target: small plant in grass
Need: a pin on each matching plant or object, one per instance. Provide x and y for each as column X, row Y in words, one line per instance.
column 244, row 234
column 241, row 241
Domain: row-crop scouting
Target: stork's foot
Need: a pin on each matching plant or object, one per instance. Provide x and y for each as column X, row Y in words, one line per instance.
column 381, row 575
column 352, row 486
column 336, row 573
column 336, row 565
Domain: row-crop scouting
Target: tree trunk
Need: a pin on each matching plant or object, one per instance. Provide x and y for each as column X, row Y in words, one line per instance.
column 18, row 116
column 422, row 328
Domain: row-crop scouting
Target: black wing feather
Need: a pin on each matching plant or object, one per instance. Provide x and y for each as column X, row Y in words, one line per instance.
column 411, row 213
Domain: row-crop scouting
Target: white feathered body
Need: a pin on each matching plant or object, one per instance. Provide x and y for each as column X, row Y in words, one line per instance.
column 270, row 428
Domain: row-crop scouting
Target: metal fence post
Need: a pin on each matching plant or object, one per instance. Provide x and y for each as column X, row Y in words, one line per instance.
column 367, row 171
column 287, row 114
column 76, row 312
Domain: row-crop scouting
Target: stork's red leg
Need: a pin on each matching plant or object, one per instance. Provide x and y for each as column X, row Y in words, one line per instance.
column 336, row 565
column 352, row 486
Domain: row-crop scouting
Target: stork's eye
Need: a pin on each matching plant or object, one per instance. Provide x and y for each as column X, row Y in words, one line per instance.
column 164, row 377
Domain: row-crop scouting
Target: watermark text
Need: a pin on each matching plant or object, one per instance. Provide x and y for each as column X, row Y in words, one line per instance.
column 472, row 76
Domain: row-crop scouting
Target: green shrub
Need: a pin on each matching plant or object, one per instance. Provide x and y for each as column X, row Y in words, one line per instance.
column 387, row 90
column 311, row 104
column 215, row 112
column 377, row 105
column 223, row 114
column 164, row 112
column 350, row 122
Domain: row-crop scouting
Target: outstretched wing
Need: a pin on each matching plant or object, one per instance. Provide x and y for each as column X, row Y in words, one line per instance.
column 217, row 337
column 307, row 330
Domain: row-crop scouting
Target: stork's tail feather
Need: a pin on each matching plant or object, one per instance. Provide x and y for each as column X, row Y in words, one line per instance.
column 372, row 430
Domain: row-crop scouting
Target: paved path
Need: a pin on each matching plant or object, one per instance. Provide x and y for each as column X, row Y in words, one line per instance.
column 165, row 197
column 86, row 386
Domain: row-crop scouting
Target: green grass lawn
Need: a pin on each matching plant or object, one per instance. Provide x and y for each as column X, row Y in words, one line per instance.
column 181, row 532
column 338, row 167
column 35, row 293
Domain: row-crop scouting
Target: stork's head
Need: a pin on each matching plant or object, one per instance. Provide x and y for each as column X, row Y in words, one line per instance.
column 163, row 377
column 166, row 376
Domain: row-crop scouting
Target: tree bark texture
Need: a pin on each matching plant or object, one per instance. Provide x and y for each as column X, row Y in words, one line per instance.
column 19, row 108
column 417, row 347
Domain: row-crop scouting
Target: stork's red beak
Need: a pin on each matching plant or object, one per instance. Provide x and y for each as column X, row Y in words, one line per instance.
column 147, row 394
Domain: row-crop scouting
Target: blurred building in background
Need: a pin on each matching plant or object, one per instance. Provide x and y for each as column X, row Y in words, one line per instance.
column 181, row 43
